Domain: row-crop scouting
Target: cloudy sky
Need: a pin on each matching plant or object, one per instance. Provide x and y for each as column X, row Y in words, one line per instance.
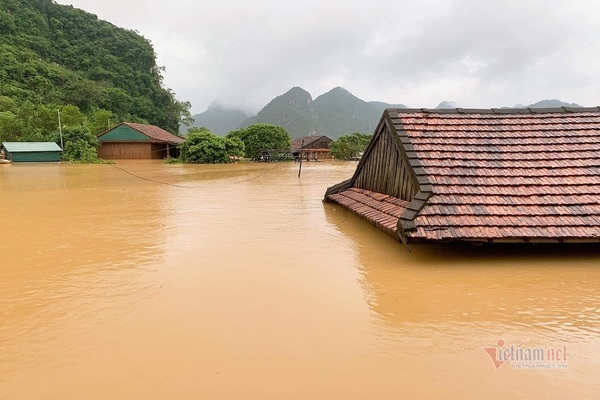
column 477, row 53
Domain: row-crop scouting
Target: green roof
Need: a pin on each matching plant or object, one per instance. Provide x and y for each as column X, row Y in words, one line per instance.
column 25, row 147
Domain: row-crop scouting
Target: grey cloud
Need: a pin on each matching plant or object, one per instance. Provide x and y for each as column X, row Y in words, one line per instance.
column 476, row 53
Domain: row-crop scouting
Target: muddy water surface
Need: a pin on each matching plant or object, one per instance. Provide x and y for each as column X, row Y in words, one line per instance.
column 164, row 281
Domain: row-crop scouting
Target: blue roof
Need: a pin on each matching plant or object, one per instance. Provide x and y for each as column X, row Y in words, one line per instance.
column 26, row 147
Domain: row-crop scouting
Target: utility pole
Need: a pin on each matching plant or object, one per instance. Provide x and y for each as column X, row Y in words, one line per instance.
column 62, row 145
column 301, row 155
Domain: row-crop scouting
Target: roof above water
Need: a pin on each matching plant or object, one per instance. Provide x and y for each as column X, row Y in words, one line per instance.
column 28, row 147
column 530, row 174
column 297, row 144
column 153, row 132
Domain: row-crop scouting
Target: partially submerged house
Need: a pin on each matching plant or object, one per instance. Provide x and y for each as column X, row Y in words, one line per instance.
column 312, row 147
column 32, row 151
column 137, row 141
column 499, row 175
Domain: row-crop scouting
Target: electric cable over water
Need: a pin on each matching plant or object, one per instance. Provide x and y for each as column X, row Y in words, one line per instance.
column 186, row 187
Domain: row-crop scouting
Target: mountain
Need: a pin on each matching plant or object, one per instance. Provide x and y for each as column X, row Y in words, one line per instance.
column 551, row 104
column 444, row 105
column 218, row 119
column 334, row 113
column 53, row 55
column 340, row 112
column 292, row 110
column 381, row 106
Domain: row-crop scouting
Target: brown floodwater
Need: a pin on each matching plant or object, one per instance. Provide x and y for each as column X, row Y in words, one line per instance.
column 158, row 281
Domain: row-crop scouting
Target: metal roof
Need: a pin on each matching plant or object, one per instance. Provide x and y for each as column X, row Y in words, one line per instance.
column 25, row 147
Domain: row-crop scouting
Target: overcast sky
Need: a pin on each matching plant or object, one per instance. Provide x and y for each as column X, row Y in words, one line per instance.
column 477, row 53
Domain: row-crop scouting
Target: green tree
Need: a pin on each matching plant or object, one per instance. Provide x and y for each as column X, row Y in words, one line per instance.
column 80, row 151
column 350, row 146
column 80, row 145
column 74, row 134
column 10, row 127
column 203, row 146
column 70, row 116
column 262, row 136
column 100, row 119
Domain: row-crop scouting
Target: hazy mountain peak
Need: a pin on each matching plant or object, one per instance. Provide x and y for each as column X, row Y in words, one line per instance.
column 336, row 92
column 219, row 119
column 552, row 103
column 446, row 105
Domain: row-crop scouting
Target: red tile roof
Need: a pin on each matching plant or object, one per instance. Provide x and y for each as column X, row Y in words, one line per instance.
column 382, row 209
column 502, row 175
column 155, row 132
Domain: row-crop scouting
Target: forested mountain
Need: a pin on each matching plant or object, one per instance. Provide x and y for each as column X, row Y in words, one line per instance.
column 53, row 55
column 334, row 113
column 292, row 110
column 340, row 112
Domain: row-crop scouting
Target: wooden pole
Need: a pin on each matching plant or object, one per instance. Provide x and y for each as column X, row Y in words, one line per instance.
column 301, row 155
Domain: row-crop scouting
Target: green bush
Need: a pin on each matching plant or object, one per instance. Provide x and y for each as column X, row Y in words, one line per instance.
column 204, row 147
column 80, row 151
column 261, row 136
column 350, row 146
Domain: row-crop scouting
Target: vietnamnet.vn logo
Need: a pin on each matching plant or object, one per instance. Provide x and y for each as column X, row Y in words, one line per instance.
column 520, row 356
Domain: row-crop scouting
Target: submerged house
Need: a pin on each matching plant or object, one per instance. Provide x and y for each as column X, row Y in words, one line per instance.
column 312, row 147
column 499, row 175
column 137, row 141
column 32, row 151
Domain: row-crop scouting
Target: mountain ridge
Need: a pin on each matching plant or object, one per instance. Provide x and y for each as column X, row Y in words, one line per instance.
column 333, row 113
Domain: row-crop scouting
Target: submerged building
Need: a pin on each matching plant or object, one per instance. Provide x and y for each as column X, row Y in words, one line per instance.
column 312, row 148
column 499, row 175
column 137, row 141
column 32, row 151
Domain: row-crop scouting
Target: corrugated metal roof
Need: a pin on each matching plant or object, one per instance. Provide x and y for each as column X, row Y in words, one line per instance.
column 21, row 147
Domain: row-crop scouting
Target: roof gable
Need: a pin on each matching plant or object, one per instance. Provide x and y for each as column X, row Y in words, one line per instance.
column 492, row 175
column 499, row 174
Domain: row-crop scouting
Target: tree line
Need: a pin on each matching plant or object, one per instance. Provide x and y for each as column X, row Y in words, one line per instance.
column 203, row 146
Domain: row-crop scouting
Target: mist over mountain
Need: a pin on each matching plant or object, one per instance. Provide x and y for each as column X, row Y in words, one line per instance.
column 335, row 113
column 553, row 103
column 219, row 119
column 445, row 105
column 292, row 110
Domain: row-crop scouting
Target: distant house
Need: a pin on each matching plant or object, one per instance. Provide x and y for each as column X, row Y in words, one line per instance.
column 137, row 141
column 500, row 175
column 312, row 147
column 32, row 151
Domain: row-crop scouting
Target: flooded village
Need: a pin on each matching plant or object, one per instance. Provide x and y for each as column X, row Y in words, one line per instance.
column 176, row 226
column 147, row 280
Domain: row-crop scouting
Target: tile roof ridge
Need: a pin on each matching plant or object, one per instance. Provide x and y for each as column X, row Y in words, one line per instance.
column 528, row 110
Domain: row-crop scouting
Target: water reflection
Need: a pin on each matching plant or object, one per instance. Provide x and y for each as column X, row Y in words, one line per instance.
column 549, row 289
column 197, row 281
